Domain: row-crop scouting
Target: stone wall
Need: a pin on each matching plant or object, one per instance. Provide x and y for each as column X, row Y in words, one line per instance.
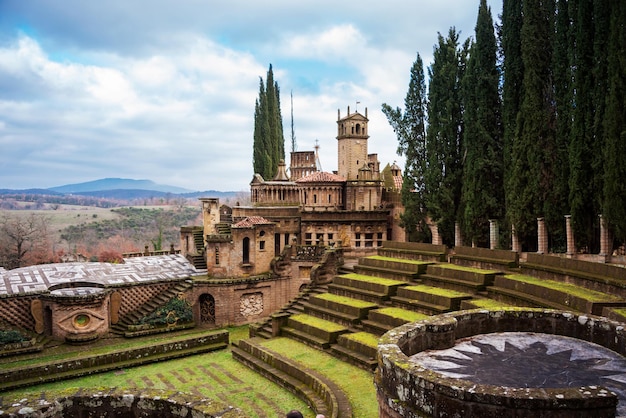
column 405, row 389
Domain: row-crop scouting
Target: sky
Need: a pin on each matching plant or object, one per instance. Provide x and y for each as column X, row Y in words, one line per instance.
column 165, row 90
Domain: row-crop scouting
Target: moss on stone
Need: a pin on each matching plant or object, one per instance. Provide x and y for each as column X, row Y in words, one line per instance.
column 464, row 268
column 436, row 291
column 488, row 303
column 317, row 322
column 584, row 293
column 399, row 260
column 364, row 338
column 404, row 314
column 344, row 300
column 372, row 279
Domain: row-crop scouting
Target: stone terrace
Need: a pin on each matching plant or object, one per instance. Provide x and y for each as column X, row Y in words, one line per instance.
column 39, row 279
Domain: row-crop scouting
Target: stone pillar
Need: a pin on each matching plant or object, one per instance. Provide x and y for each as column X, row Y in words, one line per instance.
column 434, row 230
column 515, row 245
column 494, row 234
column 542, row 236
column 605, row 246
column 571, row 248
column 458, row 238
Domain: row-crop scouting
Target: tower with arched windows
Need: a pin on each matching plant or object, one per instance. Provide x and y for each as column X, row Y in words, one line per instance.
column 352, row 136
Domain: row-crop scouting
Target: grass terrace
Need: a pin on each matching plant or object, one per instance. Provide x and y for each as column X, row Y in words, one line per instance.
column 436, row 291
column 403, row 314
column 588, row 294
column 344, row 300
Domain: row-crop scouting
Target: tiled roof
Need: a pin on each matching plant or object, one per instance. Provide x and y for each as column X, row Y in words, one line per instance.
column 321, row 177
column 250, row 221
column 397, row 182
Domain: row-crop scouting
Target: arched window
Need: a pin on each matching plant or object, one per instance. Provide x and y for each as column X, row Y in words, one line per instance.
column 246, row 250
column 358, row 129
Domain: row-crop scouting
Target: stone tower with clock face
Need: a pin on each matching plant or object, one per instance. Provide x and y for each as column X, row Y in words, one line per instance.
column 352, row 136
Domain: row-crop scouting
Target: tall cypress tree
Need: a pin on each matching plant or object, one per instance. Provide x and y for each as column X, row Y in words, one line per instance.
column 445, row 134
column 583, row 204
column 482, row 192
column 613, row 207
column 564, row 101
column 513, row 72
column 410, row 130
column 269, row 142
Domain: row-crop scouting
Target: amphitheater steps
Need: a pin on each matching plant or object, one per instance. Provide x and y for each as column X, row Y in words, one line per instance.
column 150, row 306
column 322, row 395
column 314, row 331
column 391, row 268
column 341, row 309
column 552, row 294
column 413, row 251
column 429, row 300
column 359, row 348
column 384, row 319
column 460, row 278
column 364, row 287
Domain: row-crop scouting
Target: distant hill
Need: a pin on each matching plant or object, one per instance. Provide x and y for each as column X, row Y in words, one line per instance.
column 130, row 194
column 118, row 184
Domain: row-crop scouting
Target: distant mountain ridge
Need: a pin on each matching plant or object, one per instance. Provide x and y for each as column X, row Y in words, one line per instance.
column 118, row 184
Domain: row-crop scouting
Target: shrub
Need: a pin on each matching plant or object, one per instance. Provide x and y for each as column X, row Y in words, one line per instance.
column 11, row 336
column 174, row 311
column 109, row 256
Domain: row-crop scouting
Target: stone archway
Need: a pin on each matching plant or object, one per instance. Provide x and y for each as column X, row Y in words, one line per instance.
column 207, row 309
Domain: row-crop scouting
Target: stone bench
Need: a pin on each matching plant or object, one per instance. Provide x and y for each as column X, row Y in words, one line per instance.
column 484, row 257
column 382, row 320
column 602, row 277
column 344, row 310
column 359, row 348
column 314, row 331
column 554, row 294
column 428, row 299
column 370, row 288
column 461, row 278
column 414, row 250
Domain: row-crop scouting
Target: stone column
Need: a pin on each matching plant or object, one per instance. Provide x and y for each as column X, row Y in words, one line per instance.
column 493, row 234
column 515, row 245
column 605, row 247
column 458, row 238
column 542, row 236
column 571, row 248
column 434, row 230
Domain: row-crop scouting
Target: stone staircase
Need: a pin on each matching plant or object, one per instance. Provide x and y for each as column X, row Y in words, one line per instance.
column 132, row 318
column 198, row 260
column 428, row 299
column 405, row 270
column 456, row 277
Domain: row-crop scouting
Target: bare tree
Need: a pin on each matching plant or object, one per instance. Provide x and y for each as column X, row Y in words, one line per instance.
column 23, row 239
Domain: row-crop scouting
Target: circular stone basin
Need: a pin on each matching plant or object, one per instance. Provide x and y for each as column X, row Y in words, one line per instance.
column 530, row 360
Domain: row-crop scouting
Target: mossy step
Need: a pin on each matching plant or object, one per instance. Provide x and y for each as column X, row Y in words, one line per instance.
column 331, row 315
column 356, row 293
column 483, row 303
column 284, row 379
column 354, row 357
column 370, row 283
column 470, row 274
column 565, row 294
column 387, row 273
column 433, row 295
column 322, row 329
column 412, row 266
column 420, row 306
column 452, row 284
column 361, row 342
column 343, row 304
column 395, row 317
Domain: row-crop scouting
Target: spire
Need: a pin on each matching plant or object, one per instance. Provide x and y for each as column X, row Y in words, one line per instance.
column 318, row 164
column 281, row 175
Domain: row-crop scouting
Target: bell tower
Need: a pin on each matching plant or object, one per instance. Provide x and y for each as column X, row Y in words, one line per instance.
column 352, row 135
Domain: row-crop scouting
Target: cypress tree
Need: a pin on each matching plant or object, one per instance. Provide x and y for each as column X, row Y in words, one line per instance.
column 534, row 147
column 445, row 134
column 513, row 72
column 563, row 91
column 615, row 124
column 482, row 190
column 410, row 130
column 581, row 197
column 269, row 142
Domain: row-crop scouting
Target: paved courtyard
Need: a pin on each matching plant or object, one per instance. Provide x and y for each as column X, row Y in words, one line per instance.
column 38, row 279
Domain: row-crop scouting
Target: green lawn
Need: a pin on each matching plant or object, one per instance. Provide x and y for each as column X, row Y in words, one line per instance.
column 213, row 375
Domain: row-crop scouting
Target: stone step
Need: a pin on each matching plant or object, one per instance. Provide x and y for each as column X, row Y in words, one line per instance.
column 449, row 299
column 391, row 263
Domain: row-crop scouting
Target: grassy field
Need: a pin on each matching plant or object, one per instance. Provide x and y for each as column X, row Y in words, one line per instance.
column 217, row 376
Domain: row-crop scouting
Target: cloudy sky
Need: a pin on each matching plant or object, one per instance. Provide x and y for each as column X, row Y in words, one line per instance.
column 165, row 90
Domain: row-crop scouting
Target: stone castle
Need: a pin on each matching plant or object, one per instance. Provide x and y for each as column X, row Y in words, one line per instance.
column 356, row 208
